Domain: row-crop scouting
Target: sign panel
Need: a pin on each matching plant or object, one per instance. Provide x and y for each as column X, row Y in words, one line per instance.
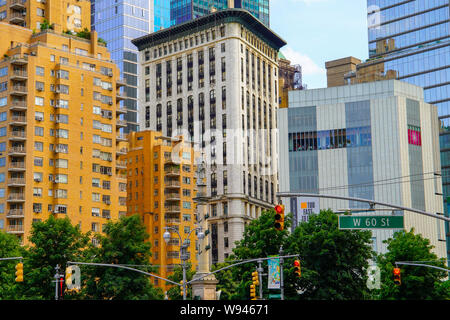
column 371, row 222
column 303, row 207
column 274, row 281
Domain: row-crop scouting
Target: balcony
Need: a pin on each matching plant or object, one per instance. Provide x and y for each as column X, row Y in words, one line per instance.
column 18, row 105
column 18, row 121
column 15, row 213
column 120, row 96
column 121, row 165
column 172, row 196
column 16, row 182
column 16, row 166
column 17, row 17
column 121, row 110
column 17, row 4
column 122, row 137
column 18, row 90
column 121, row 123
column 19, row 60
column 19, row 75
column 172, row 222
column 17, row 151
column 172, row 209
column 16, row 197
column 173, row 171
column 121, row 83
column 172, row 184
column 18, row 136
column 122, row 151
column 15, row 229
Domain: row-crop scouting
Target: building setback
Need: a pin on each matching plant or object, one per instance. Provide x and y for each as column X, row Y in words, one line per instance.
column 376, row 141
column 59, row 120
column 215, row 81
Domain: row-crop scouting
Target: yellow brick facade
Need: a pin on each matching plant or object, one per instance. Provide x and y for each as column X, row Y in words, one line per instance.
column 161, row 186
column 61, row 123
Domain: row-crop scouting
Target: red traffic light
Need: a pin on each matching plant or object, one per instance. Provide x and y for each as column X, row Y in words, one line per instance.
column 396, row 271
column 278, row 209
column 296, row 263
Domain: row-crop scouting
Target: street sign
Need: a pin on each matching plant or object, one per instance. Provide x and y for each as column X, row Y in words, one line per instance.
column 371, row 222
column 275, row 296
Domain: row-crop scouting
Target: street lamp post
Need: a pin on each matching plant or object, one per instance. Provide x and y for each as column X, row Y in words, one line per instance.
column 184, row 245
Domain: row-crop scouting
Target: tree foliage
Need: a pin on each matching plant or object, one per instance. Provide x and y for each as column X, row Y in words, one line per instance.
column 334, row 262
column 9, row 247
column 124, row 243
column 418, row 283
column 53, row 242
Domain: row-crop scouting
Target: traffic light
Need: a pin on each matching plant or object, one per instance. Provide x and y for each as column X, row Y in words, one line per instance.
column 182, row 289
column 297, row 268
column 255, row 278
column 61, row 287
column 279, row 217
column 19, row 272
column 397, row 276
column 253, row 292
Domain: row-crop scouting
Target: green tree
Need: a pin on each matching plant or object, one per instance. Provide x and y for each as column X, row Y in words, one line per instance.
column 9, row 247
column 418, row 283
column 53, row 242
column 260, row 239
column 227, row 285
column 333, row 261
column 125, row 242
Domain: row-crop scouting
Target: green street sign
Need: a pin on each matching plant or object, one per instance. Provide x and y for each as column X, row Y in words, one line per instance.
column 371, row 222
column 275, row 296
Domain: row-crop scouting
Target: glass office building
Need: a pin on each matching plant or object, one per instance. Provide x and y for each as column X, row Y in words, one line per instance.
column 120, row 21
column 412, row 38
column 185, row 10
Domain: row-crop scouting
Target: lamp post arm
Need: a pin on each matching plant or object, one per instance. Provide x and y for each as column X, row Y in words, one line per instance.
column 123, row 267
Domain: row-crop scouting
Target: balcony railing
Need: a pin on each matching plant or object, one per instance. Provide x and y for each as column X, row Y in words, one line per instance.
column 121, row 123
column 16, row 181
column 172, row 208
column 16, row 165
column 18, row 105
column 15, row 213
column 17, row 150
column 15, row 228
column 18, row 119
column 16, row 197
column 169, row 184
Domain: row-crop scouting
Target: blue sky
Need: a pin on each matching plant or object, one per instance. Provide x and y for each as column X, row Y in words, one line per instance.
column 317, row 31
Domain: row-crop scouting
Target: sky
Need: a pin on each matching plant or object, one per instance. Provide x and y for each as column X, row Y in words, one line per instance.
column 317, row 31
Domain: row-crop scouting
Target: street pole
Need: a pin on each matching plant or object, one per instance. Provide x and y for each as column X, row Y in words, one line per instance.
column 281, row 274
column 260, row 270
column 56, row 281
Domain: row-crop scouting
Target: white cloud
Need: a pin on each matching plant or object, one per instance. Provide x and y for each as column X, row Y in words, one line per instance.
column 309, row 67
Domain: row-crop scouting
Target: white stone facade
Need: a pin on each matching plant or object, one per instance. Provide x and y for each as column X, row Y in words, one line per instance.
column 230, row 113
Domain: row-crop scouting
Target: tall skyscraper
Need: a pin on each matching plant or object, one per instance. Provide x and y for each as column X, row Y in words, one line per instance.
column 182, row 10
column 59, row 119
column 412, row 39
column 215, row 81
column 118, row 22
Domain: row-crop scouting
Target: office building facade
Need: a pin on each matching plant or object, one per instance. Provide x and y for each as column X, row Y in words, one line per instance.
column 60, row 120
column 182, row 10
column 377, row 141
column 215, row 81
column 411, row 40
column 118, row 22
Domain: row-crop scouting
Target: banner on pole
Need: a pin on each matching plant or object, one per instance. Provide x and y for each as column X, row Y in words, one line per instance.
column 274, row 278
